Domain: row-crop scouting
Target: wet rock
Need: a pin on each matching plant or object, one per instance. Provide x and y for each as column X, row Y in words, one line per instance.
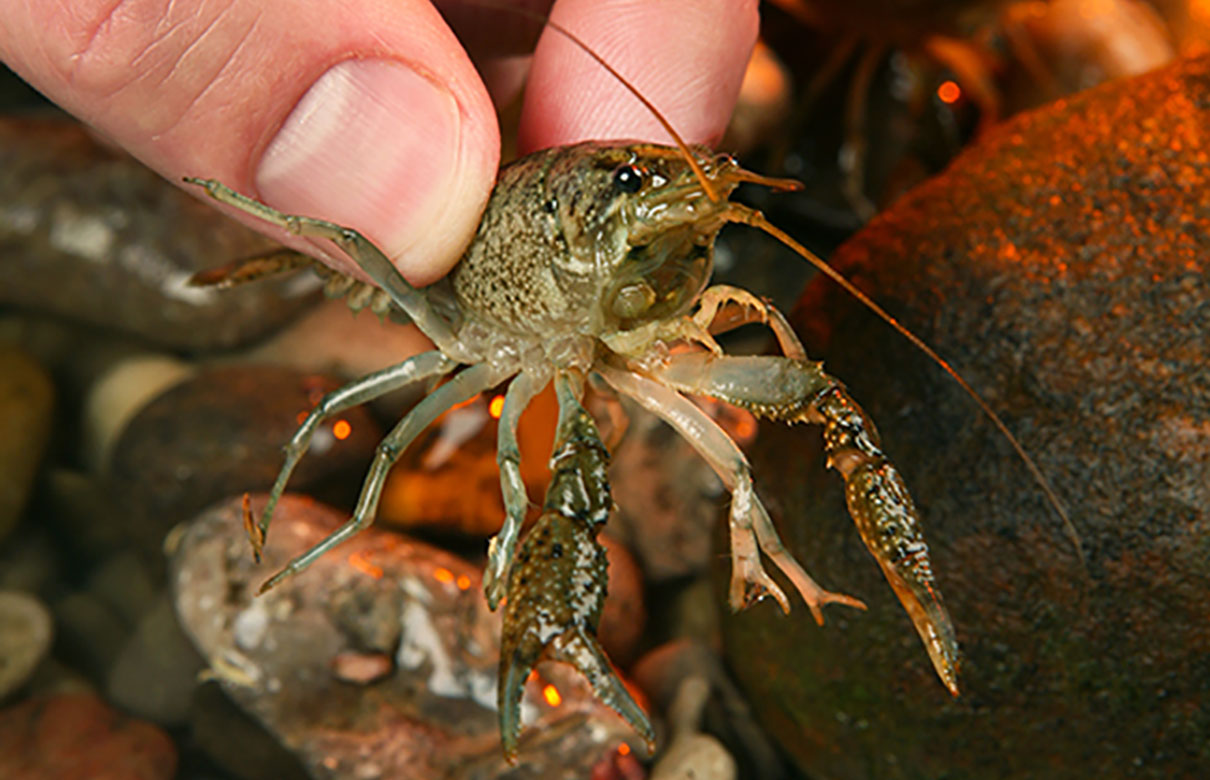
column 331, row 338
column 220, row 433
column 29, row 561
column 668, row 499
column 79, row 737
column 361, row 668
column 155, row 673
column 692, row 755
column 625, row 613
column 434, row 715
column 1061, row 265
column 685, row 608
column 25, row 634
column 52, row 678
column 76, row 354
column 26, row 400
column 663, row 672
column 119, row 394
column 236, row 741
column 90, row 633
column 86, row 520
column 83, row 225
column 124, row 583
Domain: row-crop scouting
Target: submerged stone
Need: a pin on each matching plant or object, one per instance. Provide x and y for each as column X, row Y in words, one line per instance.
column 220, row 432
column 428, row 708
column 1063, row 267
column 26, row 402
column 87, row 232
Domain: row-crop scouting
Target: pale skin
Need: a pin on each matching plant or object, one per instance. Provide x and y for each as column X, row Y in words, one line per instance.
column 220, row 88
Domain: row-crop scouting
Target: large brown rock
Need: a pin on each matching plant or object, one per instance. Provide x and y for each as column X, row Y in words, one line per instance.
column 219, row 433
column 1063, row 266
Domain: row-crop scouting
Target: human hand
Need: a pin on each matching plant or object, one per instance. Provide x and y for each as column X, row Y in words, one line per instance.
column 368, row 114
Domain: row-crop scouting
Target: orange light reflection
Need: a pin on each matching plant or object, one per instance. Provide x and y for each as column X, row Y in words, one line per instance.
column 443, row 575
column 463, row 582
column 341, row 429
column 496, row 407
column 359, row 561
column 466, row 403
column 949, row 92
column 551, row 694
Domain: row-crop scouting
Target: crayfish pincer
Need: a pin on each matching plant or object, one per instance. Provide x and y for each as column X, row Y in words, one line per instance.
column 596, row 259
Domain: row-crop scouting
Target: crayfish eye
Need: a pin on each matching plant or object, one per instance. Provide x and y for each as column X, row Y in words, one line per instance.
column 628, row 179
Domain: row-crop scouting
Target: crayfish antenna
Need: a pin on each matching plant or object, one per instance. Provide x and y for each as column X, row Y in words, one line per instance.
column 747, row 216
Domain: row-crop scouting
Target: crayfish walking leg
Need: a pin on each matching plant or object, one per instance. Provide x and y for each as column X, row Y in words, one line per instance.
column 792, row 390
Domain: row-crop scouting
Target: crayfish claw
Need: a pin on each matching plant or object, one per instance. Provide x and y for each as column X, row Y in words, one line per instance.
column 508, row 703
column 584, row 652
column 558, row 580
column 889, row 524
column 886, row 518
column 555, row 596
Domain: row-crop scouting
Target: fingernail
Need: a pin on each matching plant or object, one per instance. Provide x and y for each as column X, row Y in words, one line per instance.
column 370, row 145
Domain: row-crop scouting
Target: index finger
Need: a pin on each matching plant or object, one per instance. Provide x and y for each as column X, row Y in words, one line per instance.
column 686, row 56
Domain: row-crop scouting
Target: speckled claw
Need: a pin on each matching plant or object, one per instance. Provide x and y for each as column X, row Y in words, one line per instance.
column 887, row 520
column 794, row 390
column 889, row 524
column 555, row 595
column 557, row 584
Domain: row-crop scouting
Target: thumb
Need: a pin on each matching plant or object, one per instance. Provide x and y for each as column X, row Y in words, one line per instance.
column 370, row 118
